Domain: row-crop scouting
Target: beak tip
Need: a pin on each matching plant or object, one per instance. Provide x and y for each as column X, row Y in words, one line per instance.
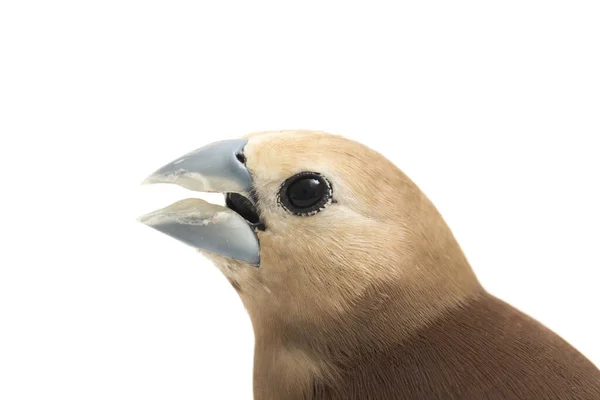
column 158, row 177
column 150, row 219
column 143, row 219
column 150, row 180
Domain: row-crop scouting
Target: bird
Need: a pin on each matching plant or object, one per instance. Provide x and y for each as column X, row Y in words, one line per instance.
column 355, row 285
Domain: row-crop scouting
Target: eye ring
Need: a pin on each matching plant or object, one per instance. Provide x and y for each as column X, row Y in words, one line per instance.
column 305, row 194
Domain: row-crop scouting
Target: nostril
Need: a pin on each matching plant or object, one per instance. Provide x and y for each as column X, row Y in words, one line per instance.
column 241, row 157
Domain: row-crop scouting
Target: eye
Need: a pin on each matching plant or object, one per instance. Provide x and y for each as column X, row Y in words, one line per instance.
column 305, row 194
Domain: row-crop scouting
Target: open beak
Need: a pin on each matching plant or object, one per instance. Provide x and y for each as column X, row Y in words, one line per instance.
column 227, row 231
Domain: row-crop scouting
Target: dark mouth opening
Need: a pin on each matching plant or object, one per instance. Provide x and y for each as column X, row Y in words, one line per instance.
column 245, row 208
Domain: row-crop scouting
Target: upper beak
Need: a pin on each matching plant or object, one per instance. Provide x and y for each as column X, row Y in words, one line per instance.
column 213, row 168
column 217, row 167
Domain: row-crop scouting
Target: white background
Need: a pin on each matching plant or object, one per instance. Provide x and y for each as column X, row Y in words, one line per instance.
column 493, row 108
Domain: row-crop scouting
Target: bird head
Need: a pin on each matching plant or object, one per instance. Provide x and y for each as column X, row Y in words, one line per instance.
column 319, row 234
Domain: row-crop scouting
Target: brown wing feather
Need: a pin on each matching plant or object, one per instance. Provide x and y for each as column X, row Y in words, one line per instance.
column 483, row 350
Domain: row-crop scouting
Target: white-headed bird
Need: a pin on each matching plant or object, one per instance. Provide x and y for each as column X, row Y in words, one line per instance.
column 355, row 286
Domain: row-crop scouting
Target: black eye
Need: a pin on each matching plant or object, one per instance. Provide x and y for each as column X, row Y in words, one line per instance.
column 305, row 193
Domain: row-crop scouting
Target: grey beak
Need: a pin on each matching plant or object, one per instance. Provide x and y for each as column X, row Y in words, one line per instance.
column 208, row 227
column 212, row 168
column 217, row 167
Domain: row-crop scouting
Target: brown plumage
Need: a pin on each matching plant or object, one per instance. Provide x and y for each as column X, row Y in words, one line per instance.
column 484, row 349
column 372, row 298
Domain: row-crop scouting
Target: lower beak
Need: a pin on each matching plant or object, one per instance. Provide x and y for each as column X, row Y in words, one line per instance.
column 214, row 168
